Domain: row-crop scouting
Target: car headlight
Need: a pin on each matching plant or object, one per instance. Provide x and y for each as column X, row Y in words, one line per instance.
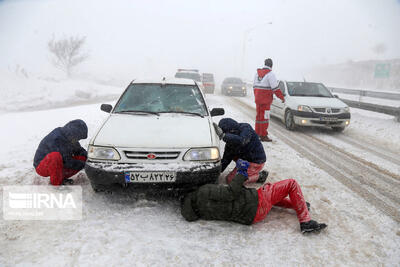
column 346, row 109
column 304, row 108
column 101, row 152
column 244, row 88
column 198, row 154
column 230, row 87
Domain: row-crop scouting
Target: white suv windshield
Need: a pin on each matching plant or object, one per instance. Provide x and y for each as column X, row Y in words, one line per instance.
column 157, row 98
column 308, row 89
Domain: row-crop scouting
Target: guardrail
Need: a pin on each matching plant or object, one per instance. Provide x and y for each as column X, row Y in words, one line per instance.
column 373, row 107
column 394, row 111
column 376, row 94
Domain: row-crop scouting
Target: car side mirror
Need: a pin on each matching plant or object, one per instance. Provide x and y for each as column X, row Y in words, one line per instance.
column 336, row 96
column 106, row 108
column 217, row 112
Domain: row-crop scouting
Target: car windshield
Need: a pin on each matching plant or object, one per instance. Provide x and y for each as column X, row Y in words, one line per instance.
column 189, row 75
column 208, row 78
column 308, row 89
column 157, row 98
column 233, row 80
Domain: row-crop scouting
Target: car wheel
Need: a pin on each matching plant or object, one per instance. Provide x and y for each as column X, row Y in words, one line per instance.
column 338, row 129
column 289, row 121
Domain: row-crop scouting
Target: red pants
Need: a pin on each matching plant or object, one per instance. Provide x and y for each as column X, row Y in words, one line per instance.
column 262, row 119
column 276, row 195
column 52, row 165
column 253, row 171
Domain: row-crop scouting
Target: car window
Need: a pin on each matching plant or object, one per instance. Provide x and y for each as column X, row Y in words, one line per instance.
column 307, row 89
column 188, row 75
column 208, row 78
column 162, row 98
column 282, row 87
column 232, row 80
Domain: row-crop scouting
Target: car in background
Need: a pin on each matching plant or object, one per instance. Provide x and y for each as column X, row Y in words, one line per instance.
column 158, row 136
column 208, row 83
column 233, row 86
column 310, row 104
column 192, row 74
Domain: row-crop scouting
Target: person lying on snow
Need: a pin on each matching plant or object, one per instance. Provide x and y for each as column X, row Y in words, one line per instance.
column 236, row 203
column 60, row 155
column 242, row 142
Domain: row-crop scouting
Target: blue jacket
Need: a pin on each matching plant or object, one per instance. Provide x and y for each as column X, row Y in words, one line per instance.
column 241, row 142
column 64, row 140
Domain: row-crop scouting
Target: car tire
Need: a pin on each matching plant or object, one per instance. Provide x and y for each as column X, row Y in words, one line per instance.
column 338, row 129
column 289, row 121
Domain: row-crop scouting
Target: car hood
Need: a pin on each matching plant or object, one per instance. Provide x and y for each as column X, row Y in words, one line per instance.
column 164, row 131
column 318, row 101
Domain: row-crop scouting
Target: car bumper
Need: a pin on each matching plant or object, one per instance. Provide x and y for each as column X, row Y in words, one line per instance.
column 188, row 176
column 302, row 118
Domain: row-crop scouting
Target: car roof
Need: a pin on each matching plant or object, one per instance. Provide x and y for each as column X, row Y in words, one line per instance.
column 165, row 80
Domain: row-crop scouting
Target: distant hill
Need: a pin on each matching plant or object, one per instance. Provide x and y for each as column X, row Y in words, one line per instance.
column 371, row 74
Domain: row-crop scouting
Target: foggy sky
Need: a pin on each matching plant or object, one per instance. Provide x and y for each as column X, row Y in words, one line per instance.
column 127, row 38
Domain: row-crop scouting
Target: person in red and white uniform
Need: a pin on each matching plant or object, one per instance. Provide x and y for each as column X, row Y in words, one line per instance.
column 265, row 85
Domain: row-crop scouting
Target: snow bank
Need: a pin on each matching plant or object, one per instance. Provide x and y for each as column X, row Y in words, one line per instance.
column 20, row 93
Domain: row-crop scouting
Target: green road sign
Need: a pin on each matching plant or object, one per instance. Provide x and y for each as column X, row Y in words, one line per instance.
column 382, row 70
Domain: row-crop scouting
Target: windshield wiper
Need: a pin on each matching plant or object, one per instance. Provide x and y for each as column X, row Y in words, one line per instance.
column 183, row 112
column 139, row 111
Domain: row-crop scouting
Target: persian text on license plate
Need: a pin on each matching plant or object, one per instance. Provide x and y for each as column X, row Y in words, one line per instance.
column 329, row 119
column 150, row 177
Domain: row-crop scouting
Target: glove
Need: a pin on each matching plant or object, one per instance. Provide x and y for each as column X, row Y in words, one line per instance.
column 242, row 167
column 218, row 131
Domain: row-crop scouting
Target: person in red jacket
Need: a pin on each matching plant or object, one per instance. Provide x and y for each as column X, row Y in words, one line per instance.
column 265, row 85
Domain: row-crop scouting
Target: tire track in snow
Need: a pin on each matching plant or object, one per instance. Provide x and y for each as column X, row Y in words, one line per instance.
column 376, row 185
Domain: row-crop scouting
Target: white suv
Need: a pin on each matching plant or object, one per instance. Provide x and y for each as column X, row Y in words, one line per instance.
column 159, row 135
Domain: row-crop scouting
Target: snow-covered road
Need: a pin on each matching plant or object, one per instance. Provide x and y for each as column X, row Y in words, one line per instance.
column 124, row 229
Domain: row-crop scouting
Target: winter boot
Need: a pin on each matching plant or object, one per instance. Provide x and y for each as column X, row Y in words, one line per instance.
column 311, row 226
column 265, row 139
column 67, row 182
column 262, row 177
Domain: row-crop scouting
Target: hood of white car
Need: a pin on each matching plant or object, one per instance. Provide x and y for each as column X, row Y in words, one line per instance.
column 164, row 131
column 317, row 101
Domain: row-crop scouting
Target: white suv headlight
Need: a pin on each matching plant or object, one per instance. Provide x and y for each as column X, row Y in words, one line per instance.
column 197, row 154
column 101, row 152
column 346, row 109
column 304, row 108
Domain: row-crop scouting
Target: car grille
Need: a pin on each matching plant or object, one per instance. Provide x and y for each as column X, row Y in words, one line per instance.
column 148, row 155
column 327, row 110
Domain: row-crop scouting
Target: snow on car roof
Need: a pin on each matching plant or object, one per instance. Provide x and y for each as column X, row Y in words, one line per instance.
column 166, row 80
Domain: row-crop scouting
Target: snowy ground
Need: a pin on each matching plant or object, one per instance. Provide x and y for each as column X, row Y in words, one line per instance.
column 122, row 229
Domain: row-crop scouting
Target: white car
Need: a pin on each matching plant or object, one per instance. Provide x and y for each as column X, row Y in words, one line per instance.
column 159, row 135
column 310, row 104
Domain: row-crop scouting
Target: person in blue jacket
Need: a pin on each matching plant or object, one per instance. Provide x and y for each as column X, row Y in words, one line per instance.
column 60, row 155
column 242, row 142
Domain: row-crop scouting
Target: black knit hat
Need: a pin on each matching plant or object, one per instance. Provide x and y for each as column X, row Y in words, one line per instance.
column 268, row 62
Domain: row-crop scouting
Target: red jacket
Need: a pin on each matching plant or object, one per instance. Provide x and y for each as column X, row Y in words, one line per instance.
column 265, row 88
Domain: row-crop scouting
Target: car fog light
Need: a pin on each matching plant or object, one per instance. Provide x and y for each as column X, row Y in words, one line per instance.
column 347, row 122
column 303, row 121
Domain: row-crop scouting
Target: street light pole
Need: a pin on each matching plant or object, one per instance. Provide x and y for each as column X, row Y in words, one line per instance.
column 245, row 36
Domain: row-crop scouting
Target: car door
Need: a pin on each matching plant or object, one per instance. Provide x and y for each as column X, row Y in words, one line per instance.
column 277, row 107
